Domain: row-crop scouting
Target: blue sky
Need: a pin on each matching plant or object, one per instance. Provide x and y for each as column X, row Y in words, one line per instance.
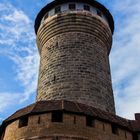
column 19, row 59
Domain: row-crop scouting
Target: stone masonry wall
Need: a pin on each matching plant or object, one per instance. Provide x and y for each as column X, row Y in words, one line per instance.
column 66, row 130
column 74, row 64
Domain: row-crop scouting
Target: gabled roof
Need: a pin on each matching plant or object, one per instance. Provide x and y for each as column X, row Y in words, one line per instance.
column 54, row 3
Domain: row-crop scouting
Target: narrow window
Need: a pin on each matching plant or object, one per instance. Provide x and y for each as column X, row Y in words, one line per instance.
column 39, row 120
column 54, row 78
column 57, row 9
column 125, row 135
column 99, row 13
column 114, row 129
column 103, row 127
column 57, row 116
column 74, row 120
column 87, row 7
column 23, row 122
column 90, row 121
column 72, row 6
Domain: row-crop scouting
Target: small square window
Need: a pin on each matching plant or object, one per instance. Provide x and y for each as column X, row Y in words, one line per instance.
column 57, row 116
column 90, row 121
column 57, row 9
column 72, row 6
column 23, row 122
column 115, row 129
column 99, row 13
column 87, row 7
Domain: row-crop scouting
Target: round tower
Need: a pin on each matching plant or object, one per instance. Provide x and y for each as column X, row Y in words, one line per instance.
column 74, row 39
column 75, row 99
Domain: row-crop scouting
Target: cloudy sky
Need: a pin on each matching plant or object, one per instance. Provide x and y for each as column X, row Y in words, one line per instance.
column 19, row 58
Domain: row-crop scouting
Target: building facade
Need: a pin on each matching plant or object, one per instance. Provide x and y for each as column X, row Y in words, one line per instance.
column 74, row 94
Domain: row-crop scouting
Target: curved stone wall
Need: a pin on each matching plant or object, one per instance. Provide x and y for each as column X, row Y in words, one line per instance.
column 78, row 7
column 74, row 64
column 73, row 127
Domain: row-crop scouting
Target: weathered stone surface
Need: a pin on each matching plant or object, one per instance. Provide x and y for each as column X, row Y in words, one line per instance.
column 47, row 130
column 74, row 64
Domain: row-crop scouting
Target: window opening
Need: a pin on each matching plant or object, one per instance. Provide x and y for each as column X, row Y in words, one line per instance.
column 114, row 129
column 103, row 127
column 54, row 78
column 72, row 6
column 55, row 138
column 135, row 136
column 74, row 120
column 23, row 122
column 57, row 9
column 125, row 135
column 57, row 116
column 39, row 120
column 99, row 13
column 90, row 121
column 87, row 7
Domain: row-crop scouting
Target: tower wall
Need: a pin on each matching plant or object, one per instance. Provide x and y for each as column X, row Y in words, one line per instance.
column 74, row 64
column 45, row 129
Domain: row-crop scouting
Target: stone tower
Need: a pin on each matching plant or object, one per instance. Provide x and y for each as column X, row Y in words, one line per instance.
column 74, row 40
column 74, row 96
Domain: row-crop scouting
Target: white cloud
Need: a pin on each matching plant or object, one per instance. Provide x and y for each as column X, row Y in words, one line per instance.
column 15, row 26
column 125, row 58
column 17, row 43
column 17, row 17
column 8, row 100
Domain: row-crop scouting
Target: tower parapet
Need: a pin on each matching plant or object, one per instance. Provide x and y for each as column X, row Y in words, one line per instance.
column 74, row 40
